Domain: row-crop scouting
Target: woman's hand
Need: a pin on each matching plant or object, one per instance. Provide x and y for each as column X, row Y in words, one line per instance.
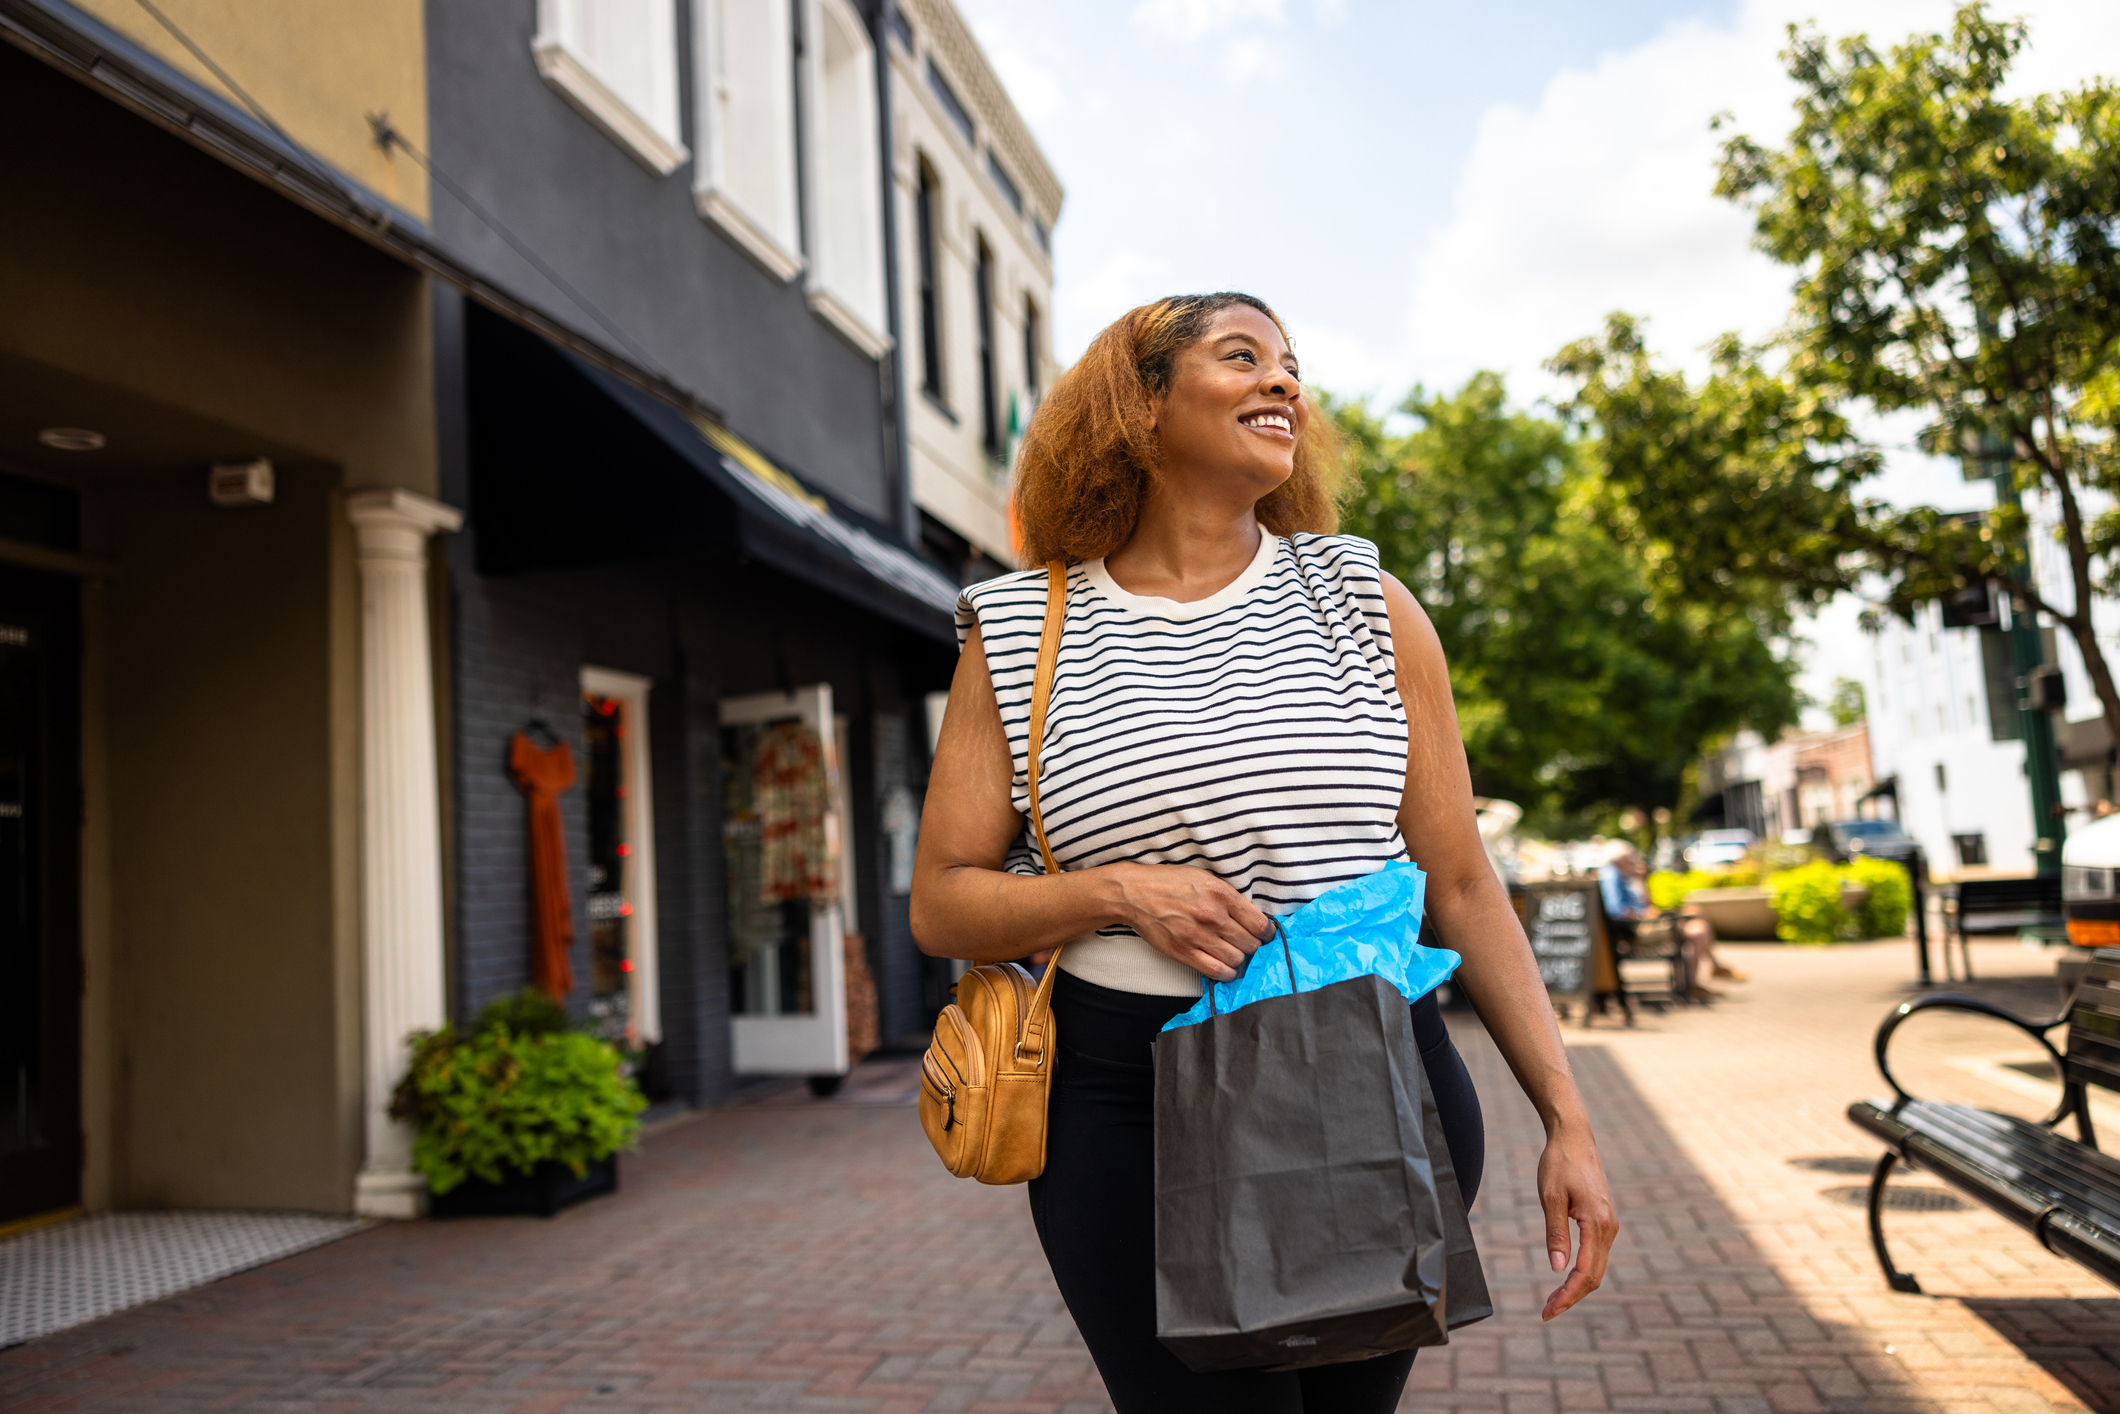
column 1190, row 916
column 1571, row 1186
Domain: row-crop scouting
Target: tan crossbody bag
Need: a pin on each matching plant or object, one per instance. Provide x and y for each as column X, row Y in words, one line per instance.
column 985, row 1079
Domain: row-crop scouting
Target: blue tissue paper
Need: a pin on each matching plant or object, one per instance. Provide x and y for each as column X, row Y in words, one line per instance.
column 1365, row 926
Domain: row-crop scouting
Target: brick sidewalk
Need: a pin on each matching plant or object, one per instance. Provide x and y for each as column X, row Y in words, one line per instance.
column 812, row 1256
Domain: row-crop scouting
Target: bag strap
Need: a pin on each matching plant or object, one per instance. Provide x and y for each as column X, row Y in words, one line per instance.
column 1042, row 694
column 1030, row 1045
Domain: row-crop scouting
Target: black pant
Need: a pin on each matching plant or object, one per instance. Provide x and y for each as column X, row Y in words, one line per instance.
column 1095, row 1211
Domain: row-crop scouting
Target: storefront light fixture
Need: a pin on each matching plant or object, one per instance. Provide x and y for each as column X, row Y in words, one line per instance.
column 72, row 439
column 246, row 483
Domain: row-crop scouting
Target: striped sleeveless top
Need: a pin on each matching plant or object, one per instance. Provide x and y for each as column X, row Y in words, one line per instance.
column 1257, row 733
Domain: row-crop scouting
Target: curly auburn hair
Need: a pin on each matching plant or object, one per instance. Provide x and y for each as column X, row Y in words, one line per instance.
column 1089, row 456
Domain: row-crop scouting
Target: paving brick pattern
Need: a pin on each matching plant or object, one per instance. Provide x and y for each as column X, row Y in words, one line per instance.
column 798, row 1255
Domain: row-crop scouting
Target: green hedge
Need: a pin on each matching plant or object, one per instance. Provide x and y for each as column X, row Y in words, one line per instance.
column 520, row 1088
column 1807, row 898
column 1807, row 903
column 1891, row 895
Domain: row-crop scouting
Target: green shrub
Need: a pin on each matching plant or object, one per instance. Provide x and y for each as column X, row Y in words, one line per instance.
column 517, row 1090
column 1807, row 903
column 1669, row 890
column 526, row 1013
column 1891, row 895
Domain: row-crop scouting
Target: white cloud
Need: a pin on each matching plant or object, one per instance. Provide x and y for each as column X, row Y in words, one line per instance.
column 1193, row 20
column 1120, row 281
column 1245, row 52
column 1250, row 56
column 1599, row 197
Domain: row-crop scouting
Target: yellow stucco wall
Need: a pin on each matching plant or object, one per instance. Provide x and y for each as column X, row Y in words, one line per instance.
column 192, row 315
column 319, row 67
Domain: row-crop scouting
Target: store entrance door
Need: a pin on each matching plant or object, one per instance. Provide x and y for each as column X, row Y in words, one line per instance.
column 785, row 834
column 40, row 936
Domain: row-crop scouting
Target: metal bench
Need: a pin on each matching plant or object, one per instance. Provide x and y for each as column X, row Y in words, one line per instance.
column 2006, row 907
column 2063, row 1191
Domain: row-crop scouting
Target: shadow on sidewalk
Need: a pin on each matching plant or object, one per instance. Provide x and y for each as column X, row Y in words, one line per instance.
column 1691, row 1315
column 2077, row 1341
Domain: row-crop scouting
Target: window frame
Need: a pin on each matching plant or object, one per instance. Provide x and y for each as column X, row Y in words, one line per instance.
column 984, row 271
column 773, row 239
column 945, row 92
column 652, row 139
column 1033, row 329
column 836, row 291
column 927, row 217
column 1003, row 182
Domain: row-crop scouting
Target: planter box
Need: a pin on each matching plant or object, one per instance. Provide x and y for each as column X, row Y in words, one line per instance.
column 1747, row 915
column 1738, row 915
column 543, row 1191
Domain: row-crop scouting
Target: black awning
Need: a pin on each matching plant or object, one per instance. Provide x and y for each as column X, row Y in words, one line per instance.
column 783, row 523
column 1886, row 789
column 573, row 467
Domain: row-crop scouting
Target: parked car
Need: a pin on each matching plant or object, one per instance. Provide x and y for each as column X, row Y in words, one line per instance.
column 1711, row 848
column 1843, row 840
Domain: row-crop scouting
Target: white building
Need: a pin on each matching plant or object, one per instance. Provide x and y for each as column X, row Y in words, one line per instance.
column 1942, row 726
column 976, row 207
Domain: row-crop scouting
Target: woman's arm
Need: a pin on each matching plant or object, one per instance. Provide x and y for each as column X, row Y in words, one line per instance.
column 966, row 906
column 1472, row 910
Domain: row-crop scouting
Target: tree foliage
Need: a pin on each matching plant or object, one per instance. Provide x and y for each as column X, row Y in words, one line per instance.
column 1953, row 252
column 1580, row 689
column 1848, row 705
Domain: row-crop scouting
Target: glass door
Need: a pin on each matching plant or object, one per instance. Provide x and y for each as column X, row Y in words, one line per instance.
column 40, row 946
column 784, row 837
column 624, row 948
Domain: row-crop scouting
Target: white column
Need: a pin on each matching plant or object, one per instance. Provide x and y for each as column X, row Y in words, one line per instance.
column 401, row 846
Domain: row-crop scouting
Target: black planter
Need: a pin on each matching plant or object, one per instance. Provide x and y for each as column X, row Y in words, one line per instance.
column 543, row 1191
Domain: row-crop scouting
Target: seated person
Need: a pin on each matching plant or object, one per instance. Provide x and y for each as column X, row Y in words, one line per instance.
column 1627, row 907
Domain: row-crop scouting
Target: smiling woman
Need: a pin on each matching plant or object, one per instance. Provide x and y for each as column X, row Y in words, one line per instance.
column 1092, row 452
column 1243, row 711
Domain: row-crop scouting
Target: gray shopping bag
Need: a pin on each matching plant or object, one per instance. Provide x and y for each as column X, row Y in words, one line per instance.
column 1306, row 1209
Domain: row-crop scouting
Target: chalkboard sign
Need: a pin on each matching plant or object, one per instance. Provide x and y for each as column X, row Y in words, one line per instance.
column 1566, row 925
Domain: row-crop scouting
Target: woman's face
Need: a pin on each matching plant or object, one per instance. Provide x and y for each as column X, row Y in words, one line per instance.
column 1235, row 407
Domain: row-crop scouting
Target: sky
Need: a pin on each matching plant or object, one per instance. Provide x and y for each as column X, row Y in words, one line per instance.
column 1424, row 190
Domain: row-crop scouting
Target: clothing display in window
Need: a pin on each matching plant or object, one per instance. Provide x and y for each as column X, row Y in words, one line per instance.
column 793, row 798
column 543, row 775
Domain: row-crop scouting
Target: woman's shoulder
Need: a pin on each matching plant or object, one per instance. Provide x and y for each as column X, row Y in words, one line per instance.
column 1004, row 606
column 1346, row 556
column 1003, row 591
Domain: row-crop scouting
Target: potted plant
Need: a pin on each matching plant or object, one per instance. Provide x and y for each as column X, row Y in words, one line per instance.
column 522, row 1113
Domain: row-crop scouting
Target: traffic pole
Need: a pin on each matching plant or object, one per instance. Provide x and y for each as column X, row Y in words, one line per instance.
column 2042, row 763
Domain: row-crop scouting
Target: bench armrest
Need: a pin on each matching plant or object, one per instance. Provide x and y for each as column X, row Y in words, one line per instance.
column 2071, row 1095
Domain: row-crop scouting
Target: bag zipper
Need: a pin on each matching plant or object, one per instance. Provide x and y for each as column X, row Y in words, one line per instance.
column 944, row 1091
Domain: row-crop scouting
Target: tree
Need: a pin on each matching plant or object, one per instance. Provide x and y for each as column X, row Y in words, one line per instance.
column 1579, row 692
column 1953, row 253
column 1847, row 704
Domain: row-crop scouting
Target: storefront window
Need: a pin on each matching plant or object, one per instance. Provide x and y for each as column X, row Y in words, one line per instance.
column 781, row 861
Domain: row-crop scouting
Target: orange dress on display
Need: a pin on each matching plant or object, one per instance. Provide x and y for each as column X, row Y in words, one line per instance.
column 544, row 776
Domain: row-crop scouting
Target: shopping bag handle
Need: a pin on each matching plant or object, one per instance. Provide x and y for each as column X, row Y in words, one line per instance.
column 1207, row 983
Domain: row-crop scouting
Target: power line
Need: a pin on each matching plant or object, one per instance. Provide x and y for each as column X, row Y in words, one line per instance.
column 388, row 136
column 257, row 110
